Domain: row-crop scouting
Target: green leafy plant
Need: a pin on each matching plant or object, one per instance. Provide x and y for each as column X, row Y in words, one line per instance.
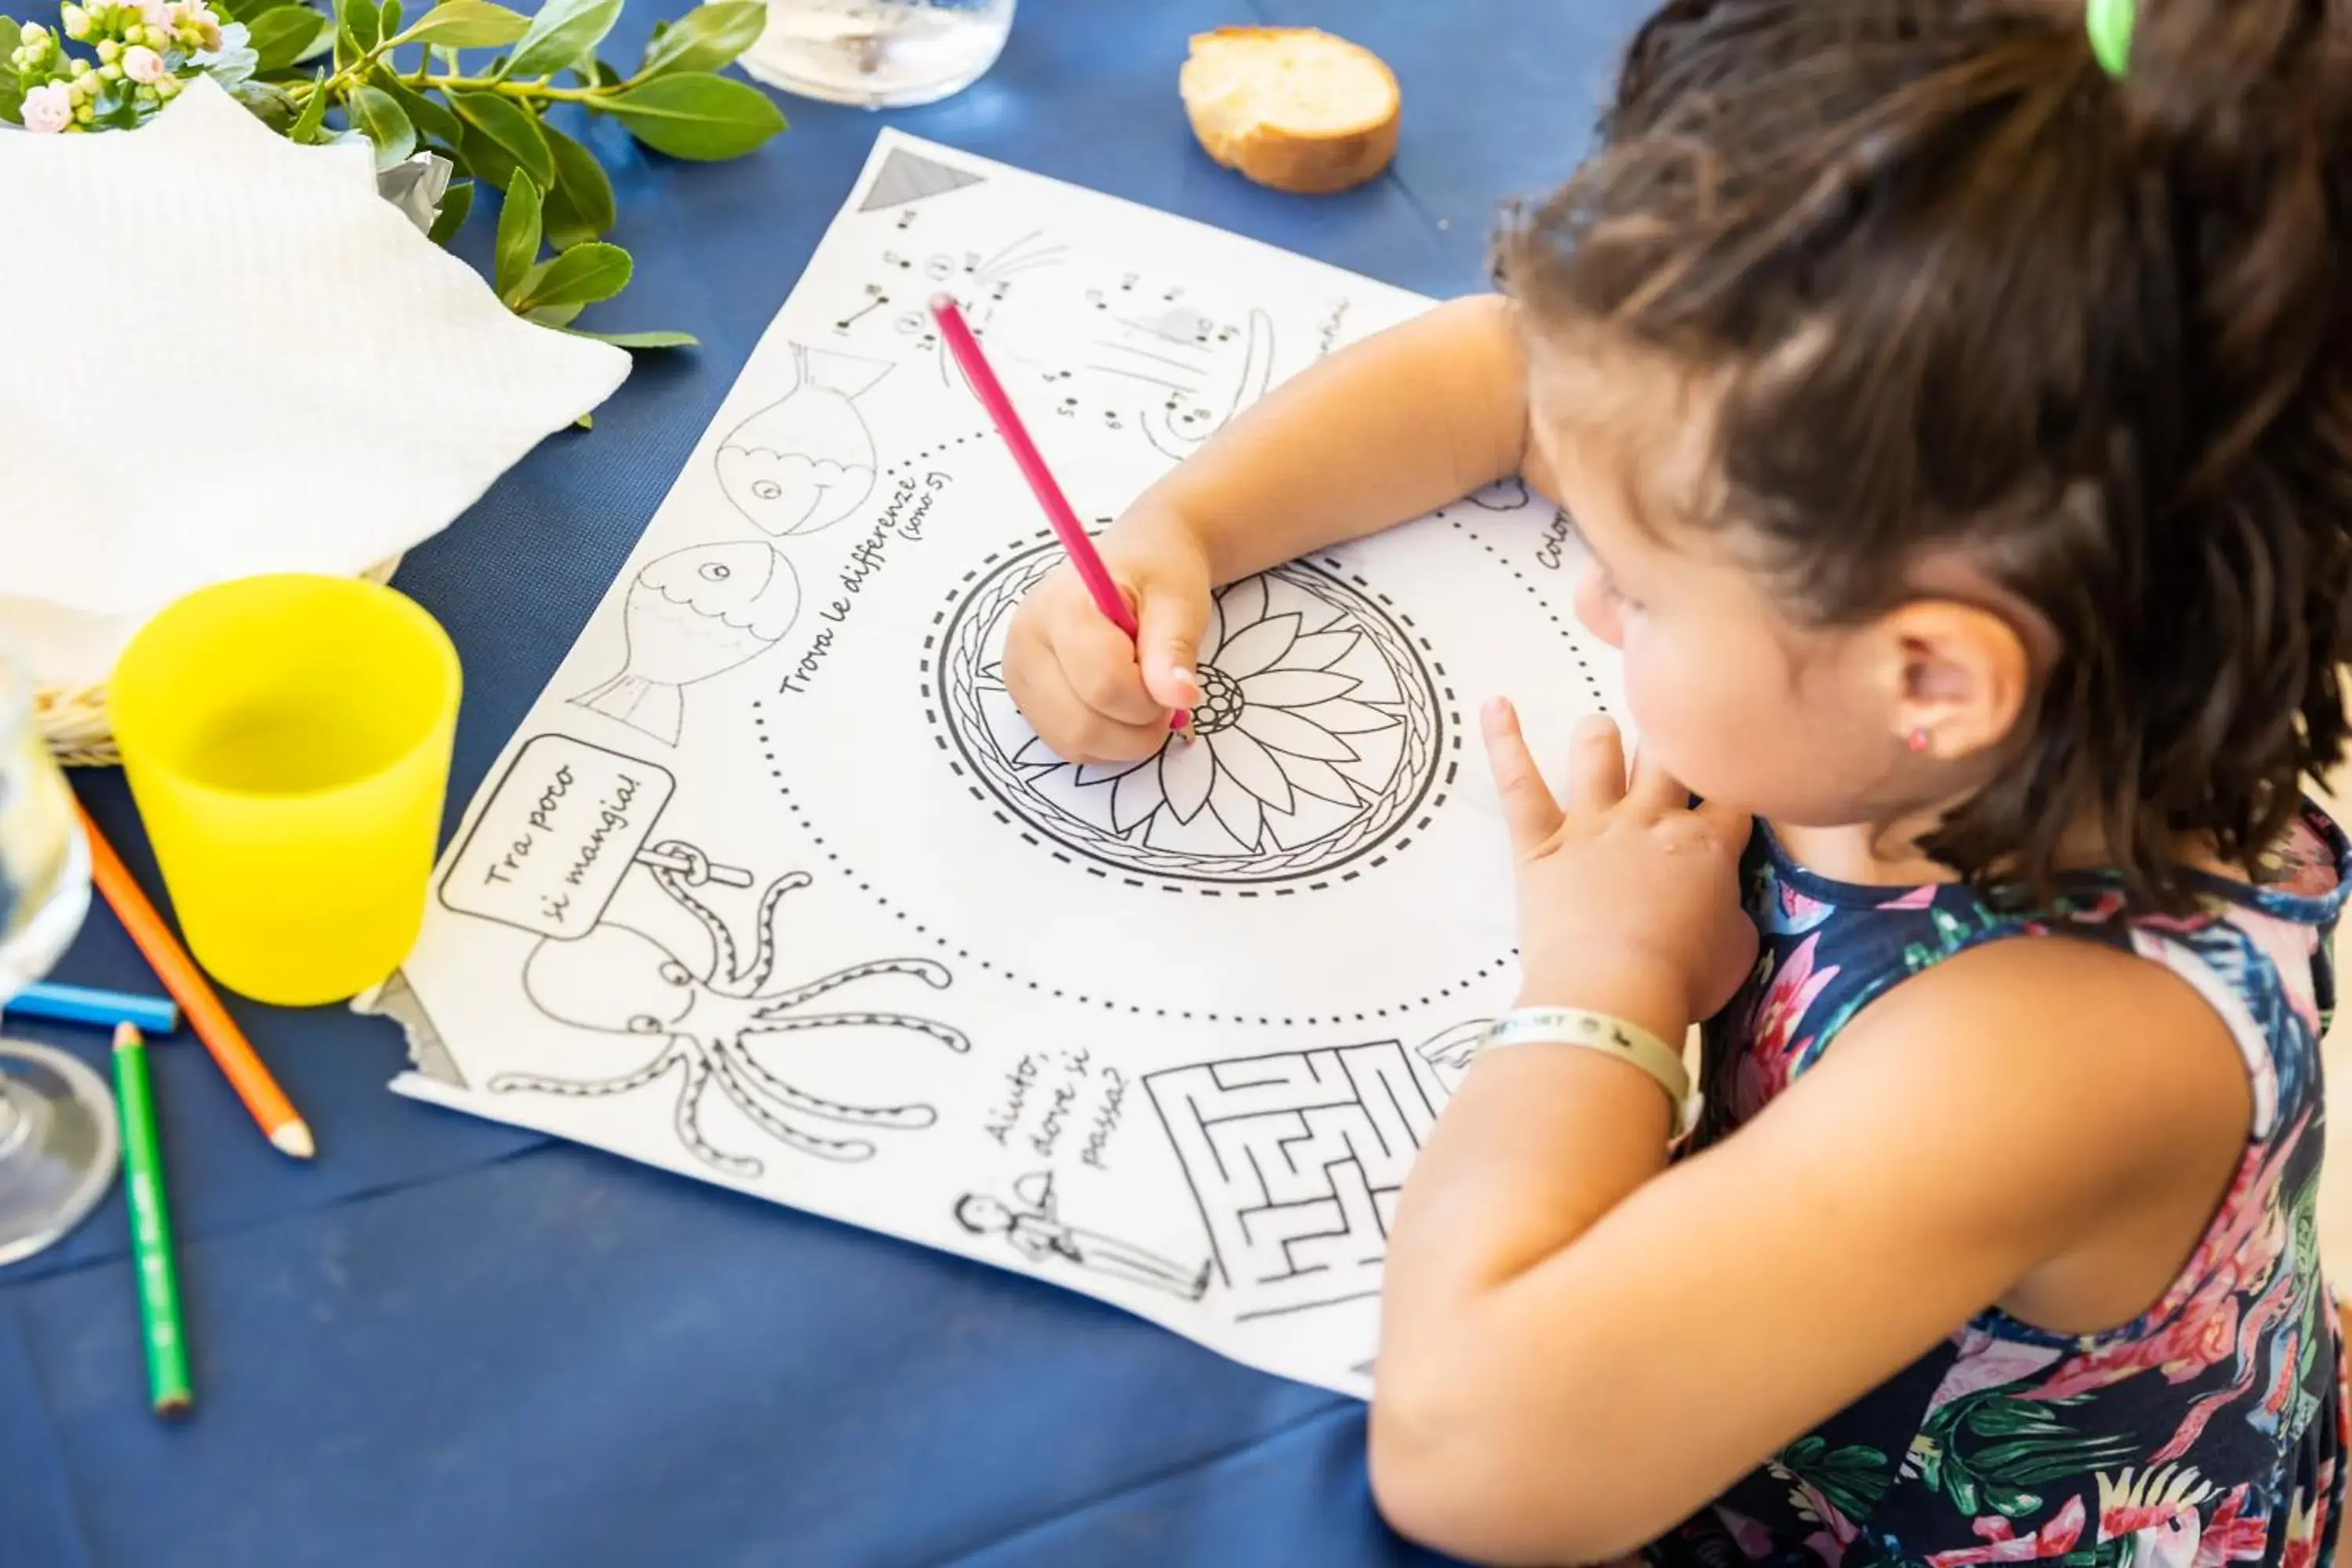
column 408, row 81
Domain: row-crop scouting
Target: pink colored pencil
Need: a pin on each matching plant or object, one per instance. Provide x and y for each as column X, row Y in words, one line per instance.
column 1042, row 483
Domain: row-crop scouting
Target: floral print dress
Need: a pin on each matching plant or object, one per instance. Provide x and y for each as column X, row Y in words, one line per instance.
column 2209, row 1431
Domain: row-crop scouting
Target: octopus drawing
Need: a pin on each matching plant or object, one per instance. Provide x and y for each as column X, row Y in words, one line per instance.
column 619, row 980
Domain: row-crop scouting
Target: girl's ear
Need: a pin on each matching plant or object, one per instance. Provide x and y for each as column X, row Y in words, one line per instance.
column 1957, row 677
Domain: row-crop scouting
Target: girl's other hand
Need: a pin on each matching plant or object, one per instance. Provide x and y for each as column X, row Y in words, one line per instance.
column 1629, row 896
column 1090, row 693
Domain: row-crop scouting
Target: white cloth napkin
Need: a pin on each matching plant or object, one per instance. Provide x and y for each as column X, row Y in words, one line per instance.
column 222, row 354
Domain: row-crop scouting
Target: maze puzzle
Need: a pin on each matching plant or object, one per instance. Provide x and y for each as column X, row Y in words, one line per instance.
column 1296, row 1159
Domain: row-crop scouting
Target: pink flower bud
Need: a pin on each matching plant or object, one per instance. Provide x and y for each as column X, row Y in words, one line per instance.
column 49, row 107
column 141, row 64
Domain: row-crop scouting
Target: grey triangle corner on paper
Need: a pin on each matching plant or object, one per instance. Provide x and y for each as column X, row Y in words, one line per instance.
column 909, row 177
column 396, row 999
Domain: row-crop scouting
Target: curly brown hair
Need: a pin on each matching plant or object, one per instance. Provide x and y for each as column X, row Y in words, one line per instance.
column 1966, row 288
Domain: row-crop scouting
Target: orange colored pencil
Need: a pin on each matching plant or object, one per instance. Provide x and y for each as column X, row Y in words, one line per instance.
column 197, row 1000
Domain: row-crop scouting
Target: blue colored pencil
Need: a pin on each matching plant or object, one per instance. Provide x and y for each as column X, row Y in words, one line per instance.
column 82, row 1004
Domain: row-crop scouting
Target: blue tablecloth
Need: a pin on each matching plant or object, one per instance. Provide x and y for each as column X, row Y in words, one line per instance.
column 450, row 1343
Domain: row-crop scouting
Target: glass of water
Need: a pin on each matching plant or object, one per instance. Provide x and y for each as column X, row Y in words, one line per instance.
column 878, row 54
column 58, row 1142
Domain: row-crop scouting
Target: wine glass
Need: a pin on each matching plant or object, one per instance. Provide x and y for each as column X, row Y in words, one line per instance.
column 878, row 54
column 58, row 1140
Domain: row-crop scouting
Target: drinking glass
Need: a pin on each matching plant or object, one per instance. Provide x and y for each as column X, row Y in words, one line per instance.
column 287, row 738
column 58, row 1142
column 878, row 54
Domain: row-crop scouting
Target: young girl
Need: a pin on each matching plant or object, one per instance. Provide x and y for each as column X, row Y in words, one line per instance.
column 1958, row 409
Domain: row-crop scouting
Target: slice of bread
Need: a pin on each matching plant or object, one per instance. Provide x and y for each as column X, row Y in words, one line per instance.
column 1293, row 107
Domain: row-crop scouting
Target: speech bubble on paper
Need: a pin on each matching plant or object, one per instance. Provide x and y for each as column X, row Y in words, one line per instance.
column 561, row 828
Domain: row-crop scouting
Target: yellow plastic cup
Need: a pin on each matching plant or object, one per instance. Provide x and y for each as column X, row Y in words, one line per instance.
column 286, row 739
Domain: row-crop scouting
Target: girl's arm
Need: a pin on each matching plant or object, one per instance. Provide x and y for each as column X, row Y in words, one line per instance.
column 1581, row 1346
column 1381, row 431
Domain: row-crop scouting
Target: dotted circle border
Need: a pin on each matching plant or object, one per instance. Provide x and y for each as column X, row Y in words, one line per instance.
column 1131, row 1009
column 1568, row 632
column 1086, row 999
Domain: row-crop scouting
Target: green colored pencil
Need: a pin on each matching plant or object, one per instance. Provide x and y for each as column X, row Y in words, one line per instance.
column 150, row 1229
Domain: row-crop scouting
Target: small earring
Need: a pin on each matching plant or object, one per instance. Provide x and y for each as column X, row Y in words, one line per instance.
column 1917, row 740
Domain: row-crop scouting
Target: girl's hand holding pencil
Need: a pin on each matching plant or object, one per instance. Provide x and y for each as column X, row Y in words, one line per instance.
column 1129, row 679
column 1090, row 692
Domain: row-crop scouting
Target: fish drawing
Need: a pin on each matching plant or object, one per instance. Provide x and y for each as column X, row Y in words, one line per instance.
column 691, row 614
column 805, row 461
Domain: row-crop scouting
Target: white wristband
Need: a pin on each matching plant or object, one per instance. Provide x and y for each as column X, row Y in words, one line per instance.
column 1612, row 1037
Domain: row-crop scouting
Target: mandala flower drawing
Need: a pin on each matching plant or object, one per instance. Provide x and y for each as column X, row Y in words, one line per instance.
column 1316, row 737
column 1288, row 746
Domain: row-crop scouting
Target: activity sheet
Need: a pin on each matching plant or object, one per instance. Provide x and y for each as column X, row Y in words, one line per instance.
column 775, row 888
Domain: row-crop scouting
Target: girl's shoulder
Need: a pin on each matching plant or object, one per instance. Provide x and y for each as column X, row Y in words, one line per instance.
column 2253, row 954
column 1877, row 936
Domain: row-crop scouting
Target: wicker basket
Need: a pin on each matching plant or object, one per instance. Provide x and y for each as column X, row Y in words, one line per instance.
column 73, row 719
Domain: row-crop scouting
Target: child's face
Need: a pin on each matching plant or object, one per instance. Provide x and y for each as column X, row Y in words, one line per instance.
column 1734, row 697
